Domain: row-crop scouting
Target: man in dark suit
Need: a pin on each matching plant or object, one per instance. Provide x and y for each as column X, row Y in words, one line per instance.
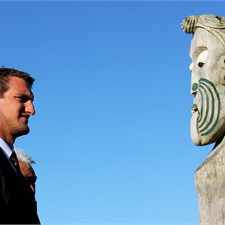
column 17, row 200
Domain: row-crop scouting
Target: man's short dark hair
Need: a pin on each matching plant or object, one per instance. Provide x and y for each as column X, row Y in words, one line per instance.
column 6, row 73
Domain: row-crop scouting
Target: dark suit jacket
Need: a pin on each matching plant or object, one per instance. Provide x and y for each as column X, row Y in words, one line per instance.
column 17, row 201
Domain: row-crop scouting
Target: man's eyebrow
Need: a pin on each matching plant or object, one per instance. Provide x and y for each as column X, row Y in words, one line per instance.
column 26, row 96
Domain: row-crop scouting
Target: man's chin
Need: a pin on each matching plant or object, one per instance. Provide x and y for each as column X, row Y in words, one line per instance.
column 22, row 131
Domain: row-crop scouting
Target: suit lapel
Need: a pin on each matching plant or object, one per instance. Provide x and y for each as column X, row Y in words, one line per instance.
column 5, row 165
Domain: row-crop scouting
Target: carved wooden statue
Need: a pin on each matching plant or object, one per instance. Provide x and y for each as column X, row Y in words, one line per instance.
column 207, row 68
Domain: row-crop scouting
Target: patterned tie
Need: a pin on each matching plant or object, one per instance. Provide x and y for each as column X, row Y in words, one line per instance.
column 13, row 159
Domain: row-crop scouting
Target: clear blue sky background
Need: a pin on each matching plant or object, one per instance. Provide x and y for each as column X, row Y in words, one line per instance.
column 111, row 133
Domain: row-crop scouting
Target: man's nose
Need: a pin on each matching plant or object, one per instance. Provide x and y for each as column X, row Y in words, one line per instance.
column 30, row 109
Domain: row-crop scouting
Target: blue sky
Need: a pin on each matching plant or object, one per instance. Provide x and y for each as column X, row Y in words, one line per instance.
column 111, row 133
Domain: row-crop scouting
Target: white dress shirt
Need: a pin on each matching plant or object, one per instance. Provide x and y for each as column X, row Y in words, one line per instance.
column 5, row 147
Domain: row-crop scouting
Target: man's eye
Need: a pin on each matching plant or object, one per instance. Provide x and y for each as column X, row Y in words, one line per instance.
column 22, row 99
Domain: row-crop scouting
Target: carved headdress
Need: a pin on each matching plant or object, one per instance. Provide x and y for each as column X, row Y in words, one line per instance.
column 213, row 24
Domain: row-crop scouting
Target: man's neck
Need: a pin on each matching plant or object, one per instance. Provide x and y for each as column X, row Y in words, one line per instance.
column 8, row 139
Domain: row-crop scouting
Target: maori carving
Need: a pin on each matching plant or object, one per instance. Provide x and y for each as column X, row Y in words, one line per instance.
column 207, row 68
column 210, row 106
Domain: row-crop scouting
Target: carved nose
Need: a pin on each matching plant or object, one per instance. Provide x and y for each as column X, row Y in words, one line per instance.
column 194, row 89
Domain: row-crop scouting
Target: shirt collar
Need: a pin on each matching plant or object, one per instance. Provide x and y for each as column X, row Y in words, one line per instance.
column 7, row 150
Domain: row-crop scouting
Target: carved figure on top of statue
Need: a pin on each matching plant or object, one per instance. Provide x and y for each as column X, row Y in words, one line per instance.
column 207, row 68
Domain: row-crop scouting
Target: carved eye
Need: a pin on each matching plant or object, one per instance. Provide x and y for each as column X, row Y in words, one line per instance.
column 202, row 58
column 201, row 64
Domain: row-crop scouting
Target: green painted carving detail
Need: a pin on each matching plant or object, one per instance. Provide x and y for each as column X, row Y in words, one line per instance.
column 201, row 107
column 205, row 106
column 215, row 110
column 194, row 87
column 217, row 117
column 203, row 125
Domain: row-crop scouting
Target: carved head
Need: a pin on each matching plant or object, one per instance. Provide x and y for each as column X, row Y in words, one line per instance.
column 207, row 68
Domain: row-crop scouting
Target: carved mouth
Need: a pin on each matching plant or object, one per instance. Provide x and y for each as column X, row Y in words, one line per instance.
column 194, row 108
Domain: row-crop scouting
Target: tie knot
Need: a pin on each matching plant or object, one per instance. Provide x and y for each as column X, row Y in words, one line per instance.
column 13, row 159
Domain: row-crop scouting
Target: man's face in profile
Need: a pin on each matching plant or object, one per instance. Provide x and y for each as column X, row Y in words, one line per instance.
column 207, row 87
column 16, row 107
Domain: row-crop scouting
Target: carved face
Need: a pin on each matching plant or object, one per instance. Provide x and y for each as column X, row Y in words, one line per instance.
column 207, row 87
